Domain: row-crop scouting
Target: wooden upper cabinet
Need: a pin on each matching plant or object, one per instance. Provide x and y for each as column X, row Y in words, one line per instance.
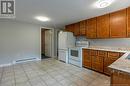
column 70, row 28
column 103, row 29
column 91, row 28
column 118, row 24
column 83, row 28
column 128, row 22
column 77, row 29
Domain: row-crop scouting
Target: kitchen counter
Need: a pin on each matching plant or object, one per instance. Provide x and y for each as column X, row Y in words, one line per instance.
column 122, row 64
column 123, row 50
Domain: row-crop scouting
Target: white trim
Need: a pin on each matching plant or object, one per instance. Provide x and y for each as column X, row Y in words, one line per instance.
column 14, row 62
column 5, row 65
column 52, row 54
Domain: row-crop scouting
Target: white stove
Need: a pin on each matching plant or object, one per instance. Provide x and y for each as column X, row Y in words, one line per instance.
column 75, row 54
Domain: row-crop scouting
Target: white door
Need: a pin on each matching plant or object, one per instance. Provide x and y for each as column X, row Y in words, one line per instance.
column 48, row 43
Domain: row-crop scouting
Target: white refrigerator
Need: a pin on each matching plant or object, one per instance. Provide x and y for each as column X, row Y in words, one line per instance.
column 66, row 40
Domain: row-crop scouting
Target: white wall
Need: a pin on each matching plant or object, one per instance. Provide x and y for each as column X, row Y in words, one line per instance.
column 18, row 40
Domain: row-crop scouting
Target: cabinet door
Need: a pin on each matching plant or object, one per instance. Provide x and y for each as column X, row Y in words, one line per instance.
column 118, row 24
column 97, row 62
column 83, row 28
column 103, row 28
column 128, row 22
column 86, row 58
column 112, row 57
column 67, row 28
column 91, row 28
column 70, row 28
column 77, row 29
column 120, row 79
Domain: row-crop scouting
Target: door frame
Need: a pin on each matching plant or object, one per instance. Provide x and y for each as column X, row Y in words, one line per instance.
column 52, row 39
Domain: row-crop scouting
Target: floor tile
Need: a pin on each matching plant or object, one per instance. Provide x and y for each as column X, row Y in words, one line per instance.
column 50, row 72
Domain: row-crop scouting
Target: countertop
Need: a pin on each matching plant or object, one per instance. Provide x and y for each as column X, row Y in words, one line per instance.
column 122, row 64
column 113, row 49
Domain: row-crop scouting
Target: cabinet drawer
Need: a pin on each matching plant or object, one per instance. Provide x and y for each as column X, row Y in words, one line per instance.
column 102, row 53
column 93, row 53
column 86, row 51
column 113, row 54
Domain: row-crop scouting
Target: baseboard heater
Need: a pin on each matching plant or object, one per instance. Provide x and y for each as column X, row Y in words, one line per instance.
column 25, row 60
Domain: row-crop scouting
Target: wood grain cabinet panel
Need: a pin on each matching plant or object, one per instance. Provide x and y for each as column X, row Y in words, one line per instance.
column 91, row 28
column 70, row 28
column 120, row 79
column 67, row 28
column 77, row 29
column 118, row 24
column 128, row 22
column 112, row 57
column 86, row 58
column 83, row 28
column 103, row 29
column 97, row 61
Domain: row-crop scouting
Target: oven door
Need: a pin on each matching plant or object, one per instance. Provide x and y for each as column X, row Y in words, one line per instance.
column 74, row 54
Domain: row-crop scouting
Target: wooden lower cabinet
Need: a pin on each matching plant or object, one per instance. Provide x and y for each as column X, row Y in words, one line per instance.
column 120, row 78
column 97, row 63
column 99, row 60
column 86, row 58
column 112, row 57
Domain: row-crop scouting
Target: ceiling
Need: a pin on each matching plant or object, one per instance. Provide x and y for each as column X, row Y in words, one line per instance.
column 62, row 12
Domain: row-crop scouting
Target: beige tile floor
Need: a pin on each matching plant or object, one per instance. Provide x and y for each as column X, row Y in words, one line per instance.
column 50, row 72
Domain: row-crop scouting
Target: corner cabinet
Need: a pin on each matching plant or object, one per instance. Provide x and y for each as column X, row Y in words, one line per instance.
column 112, row 56
column 118, row 24
column 91, row 28
column 103, row 24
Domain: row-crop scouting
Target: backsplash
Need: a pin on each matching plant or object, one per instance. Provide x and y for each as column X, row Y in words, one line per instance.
column 117, row 42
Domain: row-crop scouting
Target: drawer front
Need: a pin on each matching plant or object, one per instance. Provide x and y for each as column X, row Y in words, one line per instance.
column 102, row 53
column 86, row 51
column 113, row 54
column 93, row 52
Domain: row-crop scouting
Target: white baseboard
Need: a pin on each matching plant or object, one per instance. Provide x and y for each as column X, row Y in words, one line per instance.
column 5, row 65
column 14, row 62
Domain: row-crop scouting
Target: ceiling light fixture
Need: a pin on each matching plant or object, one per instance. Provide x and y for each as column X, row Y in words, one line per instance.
column 103, row 3
column 41, row 18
